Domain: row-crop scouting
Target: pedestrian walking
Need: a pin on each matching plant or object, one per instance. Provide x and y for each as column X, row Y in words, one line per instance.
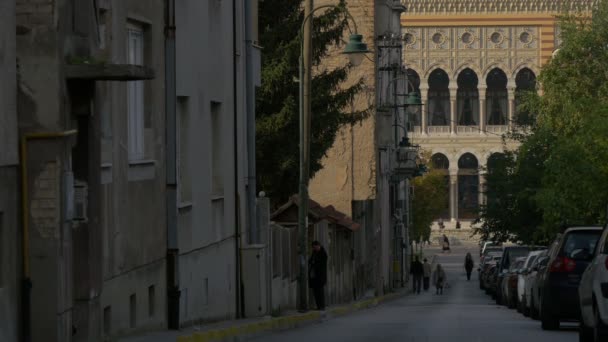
column 417, row 271
column 439, row 279
column 317, row 273
column 426, row 277
column 468, row 265
column 446, row 244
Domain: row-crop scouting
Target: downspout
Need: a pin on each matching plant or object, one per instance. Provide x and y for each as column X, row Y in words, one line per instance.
column 239, row 310
column 25, row 216
column 173, row 292
column 254, row 233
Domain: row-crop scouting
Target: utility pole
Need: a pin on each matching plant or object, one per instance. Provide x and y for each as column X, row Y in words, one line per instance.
column 173, row 292
column 305, row 79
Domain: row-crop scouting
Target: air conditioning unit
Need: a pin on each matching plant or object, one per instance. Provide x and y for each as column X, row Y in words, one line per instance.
column 255, row 280
column 81, row 194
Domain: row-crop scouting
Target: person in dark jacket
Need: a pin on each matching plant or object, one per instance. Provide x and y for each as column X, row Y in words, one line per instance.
column 317, row 273
column 468, row 265
column 417, row 271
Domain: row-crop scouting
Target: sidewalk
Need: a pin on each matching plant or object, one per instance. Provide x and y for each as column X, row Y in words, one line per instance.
column 236, row 330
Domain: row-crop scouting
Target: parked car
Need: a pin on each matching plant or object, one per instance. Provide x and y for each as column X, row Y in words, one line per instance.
column 488, row 250
column 491, row 280
column 509, row 289
column 568, row 259
column 593, row 295
column 489, row 260
column 523, row 278
column 531, row 292
column 508, row 257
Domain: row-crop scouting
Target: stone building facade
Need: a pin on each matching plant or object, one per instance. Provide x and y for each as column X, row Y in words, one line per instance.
column 470, row 61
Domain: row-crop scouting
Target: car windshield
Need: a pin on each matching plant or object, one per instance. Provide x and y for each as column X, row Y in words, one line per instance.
column 512, row 254
column 516, row 265
column 531, row 260
column 586, row 240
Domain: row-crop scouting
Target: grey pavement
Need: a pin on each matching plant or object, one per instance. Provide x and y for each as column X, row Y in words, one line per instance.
column 462, row 313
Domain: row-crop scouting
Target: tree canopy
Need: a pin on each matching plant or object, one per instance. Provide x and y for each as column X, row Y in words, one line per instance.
column 277, row 112
column 557, row 176
column 428, row 202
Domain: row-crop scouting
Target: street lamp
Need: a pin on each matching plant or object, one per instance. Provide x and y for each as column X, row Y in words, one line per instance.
column 355, row 50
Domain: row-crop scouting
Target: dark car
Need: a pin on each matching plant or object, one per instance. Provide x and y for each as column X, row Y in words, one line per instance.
column 569, row 256
column 489, row 261
column 508, row 257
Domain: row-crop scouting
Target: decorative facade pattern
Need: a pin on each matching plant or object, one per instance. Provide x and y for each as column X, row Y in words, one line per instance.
column 495, row 6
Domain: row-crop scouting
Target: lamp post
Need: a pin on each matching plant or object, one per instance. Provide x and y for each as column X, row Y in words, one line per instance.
column 355, row 49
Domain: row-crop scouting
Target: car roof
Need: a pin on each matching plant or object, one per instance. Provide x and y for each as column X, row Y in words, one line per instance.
column 537, row 252
column 583, row 228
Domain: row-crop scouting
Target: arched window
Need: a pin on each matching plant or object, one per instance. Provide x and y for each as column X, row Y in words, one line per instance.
column 439, row 99
column 525, row 81
column 467, row 99
column 468, row 186
column 441, row 163
column 496, row 98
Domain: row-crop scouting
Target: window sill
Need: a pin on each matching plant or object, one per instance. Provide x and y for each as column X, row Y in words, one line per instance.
column 216, row 197
column 106, row 173
column 140, row 170
column 183, row 206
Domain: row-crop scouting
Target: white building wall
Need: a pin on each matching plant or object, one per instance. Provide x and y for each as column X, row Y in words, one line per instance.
column 207, row 222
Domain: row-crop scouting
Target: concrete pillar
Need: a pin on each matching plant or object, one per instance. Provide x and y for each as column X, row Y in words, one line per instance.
column 511, row 93
column 482, row 188
column 424, row 94
column 454, row 195
column 482, row 109
column 453, row 117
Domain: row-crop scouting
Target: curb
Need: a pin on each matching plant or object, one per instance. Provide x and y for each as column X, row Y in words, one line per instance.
column 237, row 333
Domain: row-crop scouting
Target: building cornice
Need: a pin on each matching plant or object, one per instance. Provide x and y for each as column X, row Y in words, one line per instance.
column 448, row 7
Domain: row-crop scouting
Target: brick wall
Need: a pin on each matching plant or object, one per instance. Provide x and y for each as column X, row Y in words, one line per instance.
column 349, row 169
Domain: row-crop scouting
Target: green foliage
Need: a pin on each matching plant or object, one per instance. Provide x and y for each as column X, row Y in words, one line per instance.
column 277, row 121
column 428, row 202
column 557, row 177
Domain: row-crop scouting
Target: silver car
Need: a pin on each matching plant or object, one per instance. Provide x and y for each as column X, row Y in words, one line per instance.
column 593, row 295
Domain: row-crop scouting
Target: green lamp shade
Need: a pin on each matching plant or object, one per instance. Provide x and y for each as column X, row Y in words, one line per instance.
column 355, row 49
column 413, row 99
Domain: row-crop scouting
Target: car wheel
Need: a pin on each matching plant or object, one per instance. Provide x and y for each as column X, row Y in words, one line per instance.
column 585, row 334
column 547, row 320
column 600, row 330
column 533, row 311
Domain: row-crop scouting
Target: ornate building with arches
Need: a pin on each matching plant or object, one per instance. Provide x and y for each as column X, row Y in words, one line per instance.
column 469, row 60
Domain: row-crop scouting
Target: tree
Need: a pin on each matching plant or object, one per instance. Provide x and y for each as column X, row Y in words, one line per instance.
column 428, row 202
column 277, row 124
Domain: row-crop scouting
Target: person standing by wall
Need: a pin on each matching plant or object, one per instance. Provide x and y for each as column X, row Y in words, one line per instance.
column 426, row 276
column 317, row 273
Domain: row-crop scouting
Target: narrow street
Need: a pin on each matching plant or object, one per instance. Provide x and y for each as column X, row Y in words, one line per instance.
column 463, row 313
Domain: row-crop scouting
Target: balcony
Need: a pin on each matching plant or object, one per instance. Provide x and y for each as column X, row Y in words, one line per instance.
column 438, row 130
column 497, row 129
column 467, row 130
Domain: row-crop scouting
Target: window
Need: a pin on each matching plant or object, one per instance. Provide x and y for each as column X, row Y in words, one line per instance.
column 151, row 300
column 132, row 311
column 185, row 185
column 107, row 320
column 135, row 93
column 2, row 251
column 217, row 176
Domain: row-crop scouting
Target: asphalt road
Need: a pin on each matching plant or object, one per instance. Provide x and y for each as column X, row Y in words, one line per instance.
column 462, row 313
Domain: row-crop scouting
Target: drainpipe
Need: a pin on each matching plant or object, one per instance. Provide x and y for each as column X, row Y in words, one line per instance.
column 25, row 216
column 254, row 232
column 173, row 292
column 239, row 289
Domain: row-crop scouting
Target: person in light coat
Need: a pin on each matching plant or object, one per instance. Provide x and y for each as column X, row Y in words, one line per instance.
column 426, row 277
column 439, row 279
